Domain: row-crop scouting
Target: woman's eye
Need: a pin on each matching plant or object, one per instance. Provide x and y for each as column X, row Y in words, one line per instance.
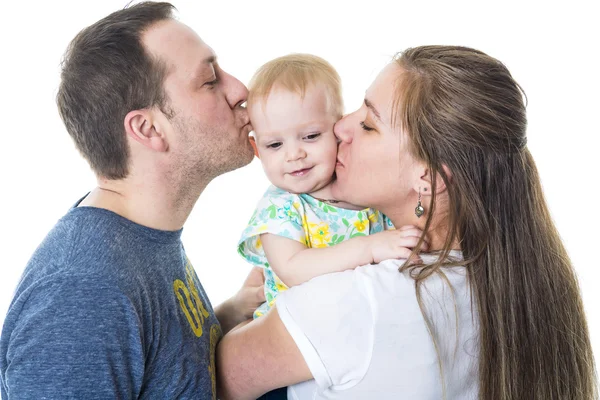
column 275, row 145
column 365, row 127
column 312, row 136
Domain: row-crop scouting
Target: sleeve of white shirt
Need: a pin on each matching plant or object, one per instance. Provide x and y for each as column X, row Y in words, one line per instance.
column 331, row 319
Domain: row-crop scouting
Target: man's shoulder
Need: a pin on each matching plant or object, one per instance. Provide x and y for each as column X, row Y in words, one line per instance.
column 94, row 246
column 77, row 232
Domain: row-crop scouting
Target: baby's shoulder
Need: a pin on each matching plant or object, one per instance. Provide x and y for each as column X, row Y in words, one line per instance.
column 277, row 196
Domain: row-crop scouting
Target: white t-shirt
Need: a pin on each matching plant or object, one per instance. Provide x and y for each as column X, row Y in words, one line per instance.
column 369, row 339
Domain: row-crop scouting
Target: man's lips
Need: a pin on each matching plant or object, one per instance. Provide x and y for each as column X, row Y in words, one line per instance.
column 301, row 172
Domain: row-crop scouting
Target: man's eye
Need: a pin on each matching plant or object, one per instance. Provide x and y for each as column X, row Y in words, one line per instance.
column 212, row 83
column 275, row 145
column 365, row 127
column 312, row 136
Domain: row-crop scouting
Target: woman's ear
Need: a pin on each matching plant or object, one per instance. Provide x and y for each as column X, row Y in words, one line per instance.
column 147, row 128
column 424, row 186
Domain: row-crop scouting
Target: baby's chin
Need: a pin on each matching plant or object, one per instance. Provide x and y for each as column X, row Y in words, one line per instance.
column 306, row 189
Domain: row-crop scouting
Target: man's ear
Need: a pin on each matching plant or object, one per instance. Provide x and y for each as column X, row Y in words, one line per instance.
column 147, row 128
column 423, row 184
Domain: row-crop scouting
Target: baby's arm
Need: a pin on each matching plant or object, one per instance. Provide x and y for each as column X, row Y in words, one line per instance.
column 294, row 263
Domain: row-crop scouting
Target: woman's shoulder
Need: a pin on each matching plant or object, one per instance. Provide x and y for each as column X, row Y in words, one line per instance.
column 386, row 314
column 390, row 278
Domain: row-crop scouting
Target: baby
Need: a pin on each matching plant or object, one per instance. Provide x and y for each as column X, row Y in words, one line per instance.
column 299, row 230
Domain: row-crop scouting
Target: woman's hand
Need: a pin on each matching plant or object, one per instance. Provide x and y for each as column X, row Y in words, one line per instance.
column 395, row 243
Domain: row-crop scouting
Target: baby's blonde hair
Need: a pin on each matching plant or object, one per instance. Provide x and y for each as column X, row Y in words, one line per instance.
column 296, row 73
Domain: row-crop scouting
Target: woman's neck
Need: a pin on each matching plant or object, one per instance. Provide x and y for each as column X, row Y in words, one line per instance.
column 404, row 214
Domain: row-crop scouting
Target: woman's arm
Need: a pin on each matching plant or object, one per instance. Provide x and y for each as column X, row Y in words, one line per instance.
column 248, row 357
column 294, row 263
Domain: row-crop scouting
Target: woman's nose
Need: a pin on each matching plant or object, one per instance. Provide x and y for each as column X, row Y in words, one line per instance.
column 341, row 130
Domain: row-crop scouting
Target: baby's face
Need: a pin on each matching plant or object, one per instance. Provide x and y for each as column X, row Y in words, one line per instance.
column 295, row 139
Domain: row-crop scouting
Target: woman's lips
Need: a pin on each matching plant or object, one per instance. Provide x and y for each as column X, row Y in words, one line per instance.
column 301, row 172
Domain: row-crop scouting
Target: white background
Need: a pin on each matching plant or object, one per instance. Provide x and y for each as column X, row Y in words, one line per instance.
column 550, row 49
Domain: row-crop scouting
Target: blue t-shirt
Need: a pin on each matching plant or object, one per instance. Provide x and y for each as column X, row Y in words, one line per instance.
column 106, row 309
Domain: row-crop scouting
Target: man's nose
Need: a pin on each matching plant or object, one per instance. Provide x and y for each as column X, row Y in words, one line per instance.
column 342, row 131
column 235, row 91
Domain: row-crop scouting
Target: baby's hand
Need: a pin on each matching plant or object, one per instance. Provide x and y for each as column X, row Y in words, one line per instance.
column 396, row 243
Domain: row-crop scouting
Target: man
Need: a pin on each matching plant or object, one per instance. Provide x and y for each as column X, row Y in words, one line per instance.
column 109, row 306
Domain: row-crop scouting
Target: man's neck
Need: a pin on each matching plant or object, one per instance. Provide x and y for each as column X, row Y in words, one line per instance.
column 154, row 205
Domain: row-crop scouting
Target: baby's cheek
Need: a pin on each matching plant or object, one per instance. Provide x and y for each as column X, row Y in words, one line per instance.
column 272, row 168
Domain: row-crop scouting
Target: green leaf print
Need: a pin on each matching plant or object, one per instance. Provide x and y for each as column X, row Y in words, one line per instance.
column 345, row 221
column 334, row 238
column 329, row 209
column 357, row 234
column 272, row 211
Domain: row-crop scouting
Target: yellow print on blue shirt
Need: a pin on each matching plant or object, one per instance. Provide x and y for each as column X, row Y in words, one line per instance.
column 190, row 301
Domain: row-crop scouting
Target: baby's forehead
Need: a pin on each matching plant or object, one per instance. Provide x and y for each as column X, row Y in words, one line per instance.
column 311, row 95
column 295, row 128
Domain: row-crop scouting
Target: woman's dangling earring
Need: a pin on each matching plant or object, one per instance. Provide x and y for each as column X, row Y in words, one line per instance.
column 419, row 210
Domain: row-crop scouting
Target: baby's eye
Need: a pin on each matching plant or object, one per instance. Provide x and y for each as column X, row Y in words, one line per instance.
column 312, row 136
column 275, row 145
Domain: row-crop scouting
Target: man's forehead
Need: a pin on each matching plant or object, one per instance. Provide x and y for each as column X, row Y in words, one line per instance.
column 178, row 45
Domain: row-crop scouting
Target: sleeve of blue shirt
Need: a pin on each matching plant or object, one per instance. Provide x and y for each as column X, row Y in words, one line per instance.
column 77, row 337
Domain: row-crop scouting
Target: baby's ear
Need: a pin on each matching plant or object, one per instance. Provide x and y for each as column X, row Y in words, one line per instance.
column 253, row 143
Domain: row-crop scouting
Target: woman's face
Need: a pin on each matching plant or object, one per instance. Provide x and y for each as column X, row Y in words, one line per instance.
column 375, row 168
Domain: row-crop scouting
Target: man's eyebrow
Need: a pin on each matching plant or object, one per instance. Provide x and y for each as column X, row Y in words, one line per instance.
column 201, row 70
column 373, row 109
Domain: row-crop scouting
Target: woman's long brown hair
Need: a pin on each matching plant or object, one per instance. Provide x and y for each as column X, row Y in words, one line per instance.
column 462, row 109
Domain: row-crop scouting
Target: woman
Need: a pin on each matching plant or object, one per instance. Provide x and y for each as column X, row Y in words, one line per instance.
column 494, row 312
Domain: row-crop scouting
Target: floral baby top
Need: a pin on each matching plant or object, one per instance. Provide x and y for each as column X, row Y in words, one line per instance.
column 307, row 220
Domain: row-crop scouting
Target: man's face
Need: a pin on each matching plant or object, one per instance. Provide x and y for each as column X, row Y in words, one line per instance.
column 208, row 132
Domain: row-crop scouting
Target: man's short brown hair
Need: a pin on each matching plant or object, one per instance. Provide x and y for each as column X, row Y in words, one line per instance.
column 106, row 73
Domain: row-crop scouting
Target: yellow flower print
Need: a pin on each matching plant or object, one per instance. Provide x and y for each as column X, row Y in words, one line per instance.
column 258, row 244
column 320, row 234
column 262, row 228
column 360, row 226
column 280, row 285
column 374, row 216
column 305, row 223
